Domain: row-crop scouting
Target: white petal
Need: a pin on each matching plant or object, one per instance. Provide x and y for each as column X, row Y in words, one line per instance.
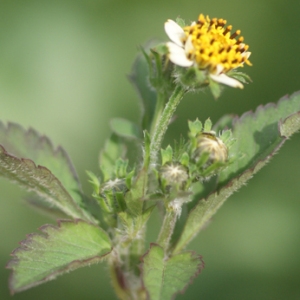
column 247, row 54
column 222, row 78
column 188, row 45
column 174, row 32
column 220, row 69
column 177, row 55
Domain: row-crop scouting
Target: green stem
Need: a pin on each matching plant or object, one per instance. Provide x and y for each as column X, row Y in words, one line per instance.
column 160, row 102
column 163, row 122
column 167, row 228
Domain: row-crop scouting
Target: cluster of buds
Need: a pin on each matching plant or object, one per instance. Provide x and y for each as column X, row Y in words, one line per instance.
column 203, row 156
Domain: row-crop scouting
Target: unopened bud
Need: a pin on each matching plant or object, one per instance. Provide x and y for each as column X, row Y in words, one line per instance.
column 174, row 174
column 214, row 147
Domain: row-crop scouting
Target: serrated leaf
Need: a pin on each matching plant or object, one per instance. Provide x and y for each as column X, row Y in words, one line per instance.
column 59, row 249
column 140, row 79
column 29, row 144
column 290, row 125
column 43, row 207
column 259, row 135
column 40, row 180
column 125, row 128
column 164, row 278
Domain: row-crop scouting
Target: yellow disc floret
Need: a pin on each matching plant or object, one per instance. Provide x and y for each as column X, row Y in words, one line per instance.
column 213, row 46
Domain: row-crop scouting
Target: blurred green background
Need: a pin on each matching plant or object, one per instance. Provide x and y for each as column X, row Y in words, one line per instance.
column 63, row 71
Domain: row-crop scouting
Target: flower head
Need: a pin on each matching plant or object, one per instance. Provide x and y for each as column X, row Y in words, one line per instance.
column 209, row 46
column 208, row 142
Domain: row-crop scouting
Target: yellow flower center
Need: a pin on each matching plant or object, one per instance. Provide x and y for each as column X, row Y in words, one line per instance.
column 213, row 45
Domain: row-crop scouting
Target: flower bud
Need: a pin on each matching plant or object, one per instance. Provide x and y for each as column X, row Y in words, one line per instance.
column 214, row 147
column 174, row 175
column 111, row 197
column 116, row 185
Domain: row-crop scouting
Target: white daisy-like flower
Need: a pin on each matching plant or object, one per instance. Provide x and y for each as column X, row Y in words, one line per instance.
column 208, row 45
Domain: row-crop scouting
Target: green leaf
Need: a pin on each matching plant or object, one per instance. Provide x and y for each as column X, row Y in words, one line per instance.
column 166, row 155
column 113, row 150
column 136, row 196
column 224, row 123
column 125, row 128
column 164, row 278
column 31, row 145
column 140, row 79
column 195, row 127
column 40, row 180
column 259, row 136
column 242, row 77
column 43, row 207
column 42, row 257
column 215, row 88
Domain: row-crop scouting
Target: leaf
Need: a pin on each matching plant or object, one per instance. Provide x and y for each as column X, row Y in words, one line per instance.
column 60, row 249
column 43, row 207
column 113, row 149
column 136, row 196
column 40, row 180
column 140, row 79
column 125, row 128
column 259, row 136
column 30, row 144
column 242, row 77
column 164, row 278
column 215, row 88
column 20, row 148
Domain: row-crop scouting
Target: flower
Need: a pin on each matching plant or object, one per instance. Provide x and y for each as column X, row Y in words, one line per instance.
column 209, row 46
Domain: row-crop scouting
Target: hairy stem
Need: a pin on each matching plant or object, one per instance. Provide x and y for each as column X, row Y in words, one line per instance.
column 163, row 122
column 160, row 102
column 167, row 228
